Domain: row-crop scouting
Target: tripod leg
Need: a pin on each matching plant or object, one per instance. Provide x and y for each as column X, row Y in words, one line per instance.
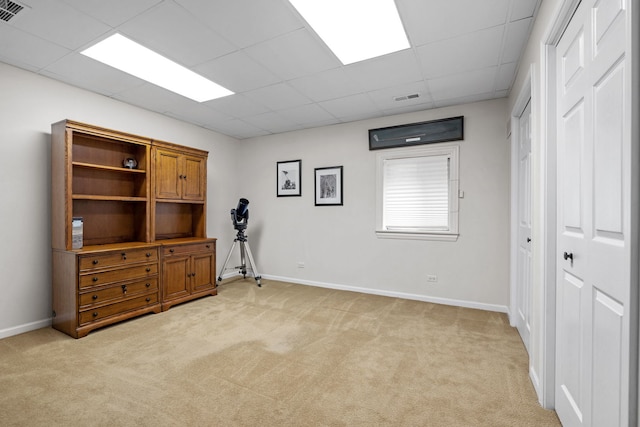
column 224, row 266
column 243, row 264
column 253, row 265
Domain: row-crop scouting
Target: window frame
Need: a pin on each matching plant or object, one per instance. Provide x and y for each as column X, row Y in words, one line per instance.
column 453, row 152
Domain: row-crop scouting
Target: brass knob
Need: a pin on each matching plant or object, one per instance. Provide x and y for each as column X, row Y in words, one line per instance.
column 148, row 285
column 148, row 299
column 95, row 279
column 148, row 254
column 95, row 314
column 95, row 297
column 124, row 255
column 95, row 261
column 148, row 269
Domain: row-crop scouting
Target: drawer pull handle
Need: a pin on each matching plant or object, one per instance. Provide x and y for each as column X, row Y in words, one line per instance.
column 193, row 274
column 124, row 255
column 188, row 274
column 171, row 250
column 95, row 297
column 148, row 299
column 148, row 285
column 148, row 269
column 95, row 314
column 124, row 289
column 208, row 246
column 95, row 279
column 95, row 261
column 148, row 254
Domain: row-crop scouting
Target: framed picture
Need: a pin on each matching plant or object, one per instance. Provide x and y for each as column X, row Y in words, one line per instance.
column 289, row 179
column 328, row 183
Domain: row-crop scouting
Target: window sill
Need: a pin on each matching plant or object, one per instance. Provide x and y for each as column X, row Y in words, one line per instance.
column 441, row 237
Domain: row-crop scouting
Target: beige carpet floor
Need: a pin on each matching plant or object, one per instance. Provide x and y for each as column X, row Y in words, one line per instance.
column 280, row 355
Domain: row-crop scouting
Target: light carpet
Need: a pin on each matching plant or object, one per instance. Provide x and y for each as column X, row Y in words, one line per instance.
column 280, row 355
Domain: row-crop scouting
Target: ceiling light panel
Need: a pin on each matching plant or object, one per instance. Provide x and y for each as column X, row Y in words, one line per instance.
column 355, row 30
column 126, row 55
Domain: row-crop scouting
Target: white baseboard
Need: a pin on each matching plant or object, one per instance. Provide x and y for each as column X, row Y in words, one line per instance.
column 27, row 327
column 436, row 300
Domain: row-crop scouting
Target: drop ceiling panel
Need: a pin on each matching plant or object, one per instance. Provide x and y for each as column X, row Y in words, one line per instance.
column 385, row 99
column 272, row 122
column 427, row 21
column 517, row 35
column 70, row 28
column 469, row 83
column 330, row 84
column 237, row 72
column 293, row 55
column 245, row 22
column 27, row 51
column 238, row 105
column 112, row 12
column 385, row 71
column 349, row 106
column 311, row 114
column 278, row 97
column 84, row 72
column 523, row 9
column 189, row 42
column 465, row 53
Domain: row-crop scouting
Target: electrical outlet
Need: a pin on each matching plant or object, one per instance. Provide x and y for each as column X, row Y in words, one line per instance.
column 300, row 264
column 432, row 278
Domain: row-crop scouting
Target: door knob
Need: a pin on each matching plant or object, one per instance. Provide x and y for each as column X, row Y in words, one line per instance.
column 528, row 239
column 568, row 256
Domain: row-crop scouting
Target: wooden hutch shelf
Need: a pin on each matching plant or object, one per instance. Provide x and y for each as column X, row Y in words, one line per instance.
column 144, row 244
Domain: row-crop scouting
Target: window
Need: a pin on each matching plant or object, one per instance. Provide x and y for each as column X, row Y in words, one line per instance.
column 417, row 193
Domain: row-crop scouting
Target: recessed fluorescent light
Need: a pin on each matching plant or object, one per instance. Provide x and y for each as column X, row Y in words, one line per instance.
column 355, row 30
column 130, row 57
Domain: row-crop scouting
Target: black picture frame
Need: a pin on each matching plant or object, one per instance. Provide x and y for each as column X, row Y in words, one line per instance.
column 328, row 186
column 289, row 178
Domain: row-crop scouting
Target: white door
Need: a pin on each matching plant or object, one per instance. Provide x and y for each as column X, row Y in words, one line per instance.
column 593, row 287
column 523, row 283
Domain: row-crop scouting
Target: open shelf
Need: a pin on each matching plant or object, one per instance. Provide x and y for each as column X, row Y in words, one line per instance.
column 179, row 220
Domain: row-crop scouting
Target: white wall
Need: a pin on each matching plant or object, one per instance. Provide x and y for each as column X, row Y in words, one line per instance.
column 28, row 105
column 338, row 244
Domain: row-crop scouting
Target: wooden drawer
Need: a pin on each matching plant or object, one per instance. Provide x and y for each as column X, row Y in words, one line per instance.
column 188, row 249
column 117, row 258
column 118, row 291
column 92, row 315
column 118, row 275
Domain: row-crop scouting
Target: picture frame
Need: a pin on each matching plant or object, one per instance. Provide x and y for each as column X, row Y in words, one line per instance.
column 328, row 186
column 289, row 178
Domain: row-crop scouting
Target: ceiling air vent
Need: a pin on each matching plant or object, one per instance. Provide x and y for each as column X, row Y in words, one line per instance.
column 406, row 97
column 9, row 10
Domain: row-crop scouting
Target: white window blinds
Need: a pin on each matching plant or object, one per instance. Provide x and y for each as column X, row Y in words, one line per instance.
column 416, row 193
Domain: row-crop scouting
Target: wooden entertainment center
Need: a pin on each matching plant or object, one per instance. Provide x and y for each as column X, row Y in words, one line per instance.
column 142, row 207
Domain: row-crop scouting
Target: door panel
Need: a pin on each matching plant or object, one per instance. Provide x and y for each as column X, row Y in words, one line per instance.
column 524, row 260
column 593, row 288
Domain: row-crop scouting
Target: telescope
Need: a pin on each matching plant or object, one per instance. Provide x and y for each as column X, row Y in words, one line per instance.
column 240, row 219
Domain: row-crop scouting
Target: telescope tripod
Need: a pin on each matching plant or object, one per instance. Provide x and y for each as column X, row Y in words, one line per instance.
column 244, row 250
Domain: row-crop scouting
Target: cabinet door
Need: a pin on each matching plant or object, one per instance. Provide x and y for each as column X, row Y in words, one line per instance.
column 168, row 169
column 203, row 271
column 175, row 282
column 194, row 178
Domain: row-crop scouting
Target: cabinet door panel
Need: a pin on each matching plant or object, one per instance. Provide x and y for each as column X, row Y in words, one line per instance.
column 174, row 277
column 168, row 185
column 203, row 271
column 194, row 180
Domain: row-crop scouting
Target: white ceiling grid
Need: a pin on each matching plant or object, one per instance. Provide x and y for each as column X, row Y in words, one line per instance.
column 283, row 76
